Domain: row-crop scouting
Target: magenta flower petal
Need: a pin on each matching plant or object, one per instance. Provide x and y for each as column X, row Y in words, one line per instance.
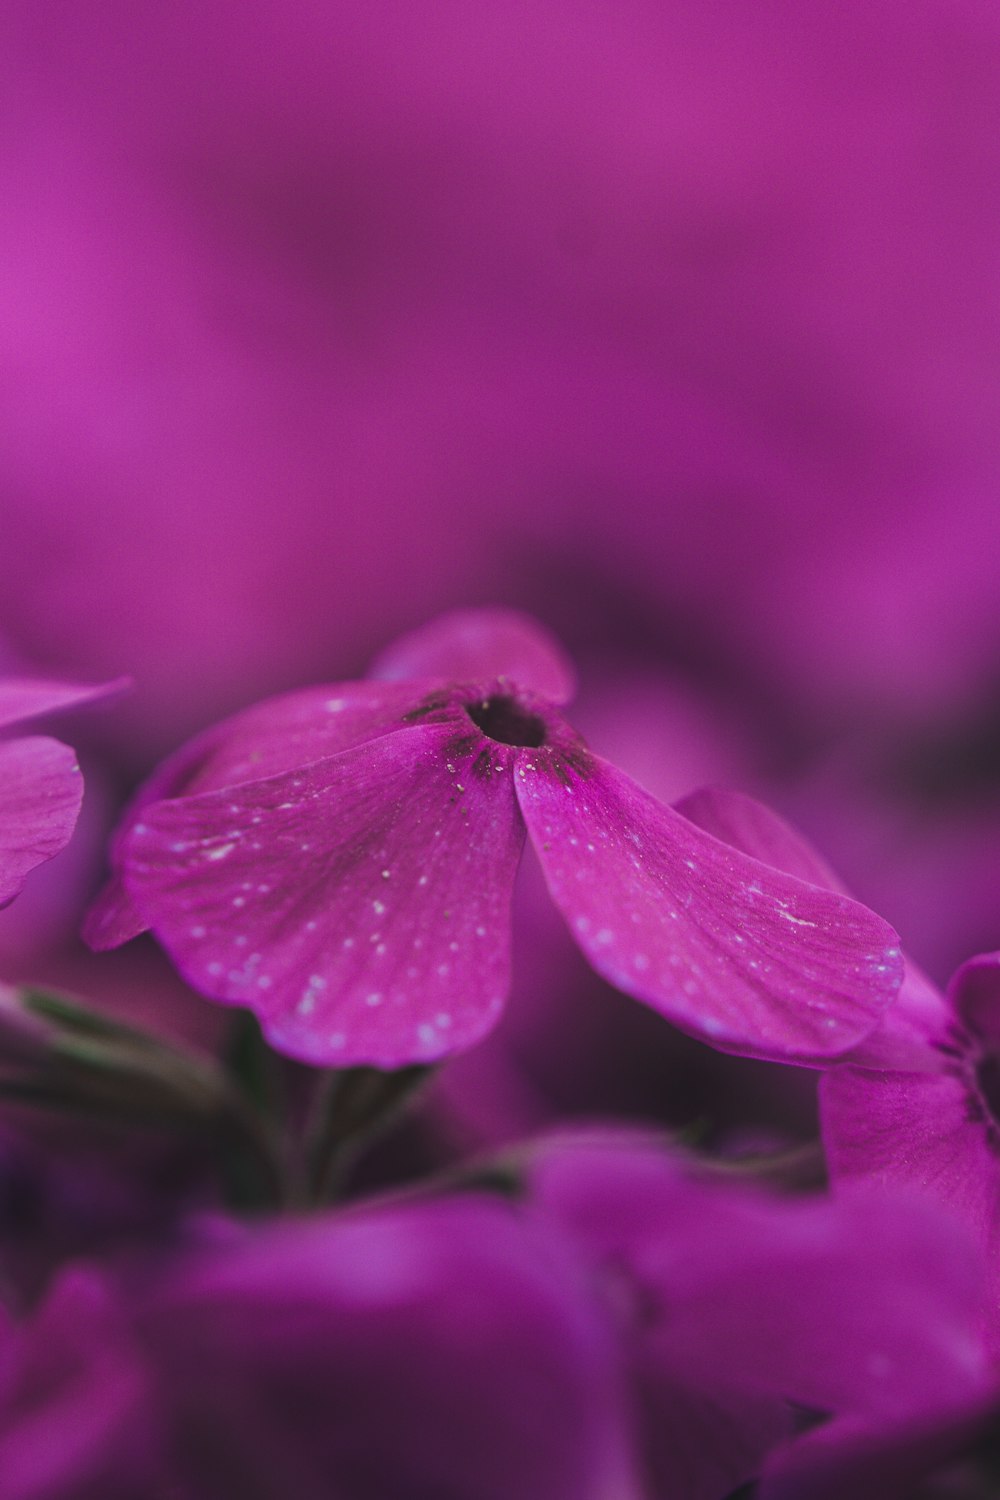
column 900, row 1039
column 881, row 1461
column 40, row 794
column 735, row 1301
column 935, row 1126
column 113, row 918
column 29, row 698
column 359, row 905
column 866, row 1304
column 748, row 825
column 440, row 1351
column 446, row 1349
column 861, row 1304
column 479, row 645
column 277, row 735
column 40, row 784
column 727, row 948
column 905, row 1039
column 700, row 1445
column 281, row 734
column 921, row 1129
column 72, row 1386
column 974, row 991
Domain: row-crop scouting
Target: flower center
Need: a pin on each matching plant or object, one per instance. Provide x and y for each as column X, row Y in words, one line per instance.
column 504, row 720
column 988, row 1079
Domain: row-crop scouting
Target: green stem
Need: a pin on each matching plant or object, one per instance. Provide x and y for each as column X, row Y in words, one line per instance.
column 350, row 1109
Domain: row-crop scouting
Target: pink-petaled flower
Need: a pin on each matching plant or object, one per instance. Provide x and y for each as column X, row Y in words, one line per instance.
column 869, row 1305
column 932, row 1120
column 441, row 1349
column 342, row 859
column 40, row 784
column 917, row 1103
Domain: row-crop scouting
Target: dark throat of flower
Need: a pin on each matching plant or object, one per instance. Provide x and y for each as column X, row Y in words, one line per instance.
column 988, row 1083
column 504, row 720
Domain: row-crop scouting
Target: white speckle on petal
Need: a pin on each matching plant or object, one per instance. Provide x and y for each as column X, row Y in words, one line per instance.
column 799, row 921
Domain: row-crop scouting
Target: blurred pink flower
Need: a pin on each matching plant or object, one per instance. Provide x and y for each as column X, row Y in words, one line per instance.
column 917, row 1102
column 626, row 1326
column 40, row 784
column 932, row 1120
column 447, row 1348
